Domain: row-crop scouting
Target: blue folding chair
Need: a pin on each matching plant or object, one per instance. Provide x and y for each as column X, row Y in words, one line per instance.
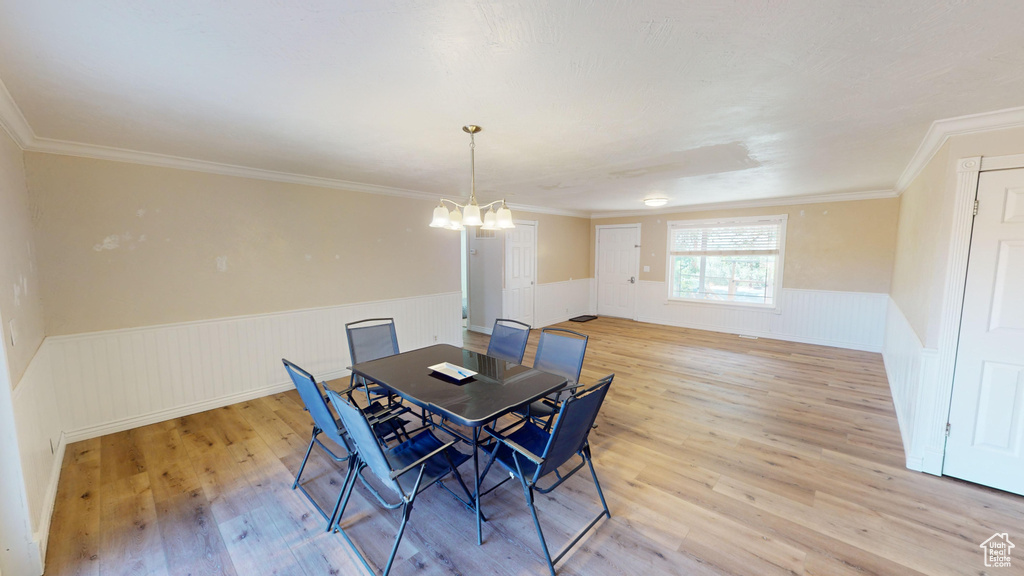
column 530, row 453
column 508, row 340
column 560, row 352
column 371, row 339
column 324, row 422
column 406, row 469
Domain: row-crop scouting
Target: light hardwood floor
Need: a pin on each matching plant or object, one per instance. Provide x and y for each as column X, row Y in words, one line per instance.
column 718, row 455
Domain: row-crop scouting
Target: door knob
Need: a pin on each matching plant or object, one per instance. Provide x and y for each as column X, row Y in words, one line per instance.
column 632, row 279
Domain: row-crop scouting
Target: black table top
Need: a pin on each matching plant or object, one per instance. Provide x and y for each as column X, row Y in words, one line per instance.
column 498, row 387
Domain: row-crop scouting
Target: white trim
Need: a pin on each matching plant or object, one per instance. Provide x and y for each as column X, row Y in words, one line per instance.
column 557, row 302
column 1002, row 162
column 597, row 263
column 179, row 411
column 552, row 211
column 481, row 329
column 13, row 121
column 759, row 203
column 116, row 380
column 781, row 219
column 151, row 327
column 42, row 535
column 941, row 130
column 853, row 320
column 935, row 410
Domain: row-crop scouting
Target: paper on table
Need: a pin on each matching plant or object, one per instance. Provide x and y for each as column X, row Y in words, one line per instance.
column 452, row 371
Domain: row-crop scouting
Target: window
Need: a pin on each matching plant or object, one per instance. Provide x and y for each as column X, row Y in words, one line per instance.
column 735, row 261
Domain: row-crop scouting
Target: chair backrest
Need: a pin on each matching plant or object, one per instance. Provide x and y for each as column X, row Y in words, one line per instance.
column 371, row 339
column 363, row 440
column 561, row 352
column 315, row 403
column 572, row 428
column 508, row 340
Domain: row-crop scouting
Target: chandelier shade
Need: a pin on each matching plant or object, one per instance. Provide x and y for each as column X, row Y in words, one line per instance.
column 472, row 214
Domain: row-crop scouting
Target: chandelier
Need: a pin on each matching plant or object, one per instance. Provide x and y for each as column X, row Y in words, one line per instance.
column 462, row 215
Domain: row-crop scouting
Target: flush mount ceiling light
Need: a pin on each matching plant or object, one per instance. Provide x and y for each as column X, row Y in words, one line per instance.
column 461, row 215
column 655, row 201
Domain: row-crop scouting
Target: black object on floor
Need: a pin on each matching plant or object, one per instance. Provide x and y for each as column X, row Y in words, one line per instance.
column 584, row 318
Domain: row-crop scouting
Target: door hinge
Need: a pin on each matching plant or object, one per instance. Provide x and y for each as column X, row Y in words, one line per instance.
column 947, row 429
column 975, row 207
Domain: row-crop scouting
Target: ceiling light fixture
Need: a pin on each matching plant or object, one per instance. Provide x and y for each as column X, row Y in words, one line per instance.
column 462, row 215
column 655, row 201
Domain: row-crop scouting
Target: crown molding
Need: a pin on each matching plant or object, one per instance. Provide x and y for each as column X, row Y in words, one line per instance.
column 942, row 130
column 763, row 202
column 66, row 148
column 551, row 211
column 13, row 121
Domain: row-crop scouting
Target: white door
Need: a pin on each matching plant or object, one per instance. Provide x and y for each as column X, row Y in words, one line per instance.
column 618, row 251
column 520, row 271
column 986, row 416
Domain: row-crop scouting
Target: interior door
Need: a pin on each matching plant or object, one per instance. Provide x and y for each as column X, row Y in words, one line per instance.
column 986, row 417
column 618, row 251
column 520, row 271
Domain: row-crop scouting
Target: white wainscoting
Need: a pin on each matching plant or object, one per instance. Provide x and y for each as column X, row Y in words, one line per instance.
column 912, row 370
column 558, row 301
column 40, row 442
column 121, row 379
column 853, row 320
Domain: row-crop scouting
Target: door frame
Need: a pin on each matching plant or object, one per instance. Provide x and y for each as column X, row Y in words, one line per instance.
column 597, row 264
column 936, row 401
column 504, row 268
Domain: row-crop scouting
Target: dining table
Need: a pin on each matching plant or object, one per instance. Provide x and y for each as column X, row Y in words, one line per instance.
column 496, row 387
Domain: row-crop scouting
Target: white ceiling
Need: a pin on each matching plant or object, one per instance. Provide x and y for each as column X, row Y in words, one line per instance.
column 585, row 105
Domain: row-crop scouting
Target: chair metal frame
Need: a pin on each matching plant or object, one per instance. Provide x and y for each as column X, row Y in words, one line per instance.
column 543, row 411
column 513, row 325
column 320, row 411
column 555, row 455
column 350, row 329
column 374, row 457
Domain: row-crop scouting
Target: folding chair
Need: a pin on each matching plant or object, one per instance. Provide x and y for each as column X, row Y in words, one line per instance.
column 371, row 339
column 406, row 469
column 560, row 352
column 531, row 453
column 324, row 423
column 508, row 340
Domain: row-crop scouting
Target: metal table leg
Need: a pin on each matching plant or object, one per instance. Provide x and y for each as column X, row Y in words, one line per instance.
column 476, row 484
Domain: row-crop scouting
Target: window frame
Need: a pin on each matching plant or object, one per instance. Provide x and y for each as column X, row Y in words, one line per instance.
column 782, row 220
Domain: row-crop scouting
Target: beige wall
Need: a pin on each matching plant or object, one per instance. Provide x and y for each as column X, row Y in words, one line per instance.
column 20, row 294
column 923, row 226
column 123, row 245
column 926, row 213
column 563, row 246
column 847, row 246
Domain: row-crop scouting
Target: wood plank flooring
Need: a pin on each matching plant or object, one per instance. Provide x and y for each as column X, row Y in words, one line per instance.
column 718, row 455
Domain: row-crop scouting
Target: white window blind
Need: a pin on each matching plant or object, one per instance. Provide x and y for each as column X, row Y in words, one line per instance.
column 737, row 261
column 726, row 240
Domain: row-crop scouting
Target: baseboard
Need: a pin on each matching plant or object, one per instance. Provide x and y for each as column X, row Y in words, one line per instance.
column 42, row 535
column 914, row 462
column 556, row 320
column 481, row 329
column 186, row 410
column 764, row 334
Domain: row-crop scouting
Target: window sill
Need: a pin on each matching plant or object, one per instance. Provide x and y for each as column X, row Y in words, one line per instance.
column 773, row 308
